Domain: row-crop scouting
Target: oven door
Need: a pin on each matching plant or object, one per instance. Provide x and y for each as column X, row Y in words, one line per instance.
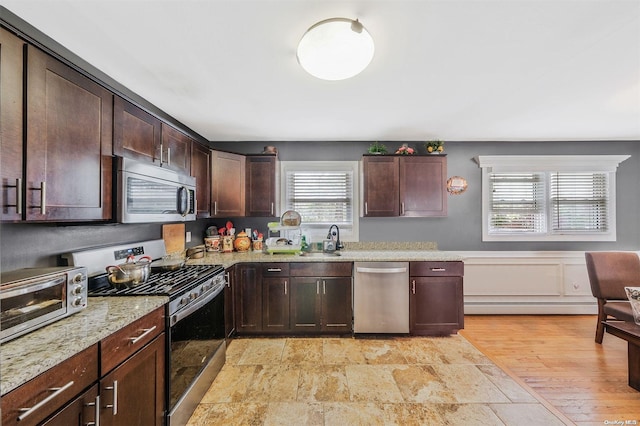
column 196, row 354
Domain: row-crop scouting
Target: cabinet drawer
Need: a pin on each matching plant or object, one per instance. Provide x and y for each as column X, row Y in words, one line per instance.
column 124, row 343
column 275, row 269
column 53, row 389
column 436, row 269
column 321, row 269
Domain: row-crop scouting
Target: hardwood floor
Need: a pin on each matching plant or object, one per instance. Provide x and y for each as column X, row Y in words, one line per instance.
column 557, row 357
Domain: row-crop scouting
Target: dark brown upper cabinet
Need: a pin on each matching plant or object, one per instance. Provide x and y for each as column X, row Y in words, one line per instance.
column 175, row 149
column 409, row 186
column 262, row 185
column 227, row 184
column 136, row 133
column 201, row 170
column 68, row 175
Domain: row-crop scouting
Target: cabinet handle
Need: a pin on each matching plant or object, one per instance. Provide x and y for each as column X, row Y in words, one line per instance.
column 285, row 287
column 161, row 154
column 228, row 279
column 18, row 187
column 96, row 406
column 272, row 206
column 413, row 286
column 317, row 286
column 402, row 209
column 43, row 197
column 169, row 156
column 438, row 269
column 366, row 208
column 324, row 287
column 215, row 208
column 56, row 391
column 274, row 270
column 146, row 331
column 113, row 406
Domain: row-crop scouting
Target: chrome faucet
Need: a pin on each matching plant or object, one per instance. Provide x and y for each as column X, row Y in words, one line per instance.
column 336, row 234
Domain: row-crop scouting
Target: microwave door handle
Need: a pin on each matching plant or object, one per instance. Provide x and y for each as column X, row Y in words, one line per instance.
column 183, row 201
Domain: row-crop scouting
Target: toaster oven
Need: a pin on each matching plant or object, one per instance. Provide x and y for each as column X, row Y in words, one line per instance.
column 33, row 297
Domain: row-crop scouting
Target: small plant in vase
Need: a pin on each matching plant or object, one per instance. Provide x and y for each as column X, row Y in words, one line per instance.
column 405, row 149
column 434, row 147
column 377, row 148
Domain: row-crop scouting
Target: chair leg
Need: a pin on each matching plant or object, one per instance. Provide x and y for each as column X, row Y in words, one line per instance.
column 601, row 317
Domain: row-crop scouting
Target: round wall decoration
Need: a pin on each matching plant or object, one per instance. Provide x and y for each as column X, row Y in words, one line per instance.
column 456, row 185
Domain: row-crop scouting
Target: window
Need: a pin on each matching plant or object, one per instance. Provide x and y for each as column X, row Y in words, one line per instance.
column 557, row 198
column 324, row 193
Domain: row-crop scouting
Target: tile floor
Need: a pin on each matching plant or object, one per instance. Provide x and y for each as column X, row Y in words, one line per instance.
column 346, row 381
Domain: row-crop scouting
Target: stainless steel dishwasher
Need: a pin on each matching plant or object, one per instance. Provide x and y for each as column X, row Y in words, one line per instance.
column 381, row 297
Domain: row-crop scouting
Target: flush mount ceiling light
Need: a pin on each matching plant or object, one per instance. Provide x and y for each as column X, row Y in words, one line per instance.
column 335, row 49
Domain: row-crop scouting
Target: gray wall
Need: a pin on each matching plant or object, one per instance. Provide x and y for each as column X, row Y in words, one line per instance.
column 28, row 245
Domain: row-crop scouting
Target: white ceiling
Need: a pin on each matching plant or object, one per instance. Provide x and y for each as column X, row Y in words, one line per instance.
column 464, row 70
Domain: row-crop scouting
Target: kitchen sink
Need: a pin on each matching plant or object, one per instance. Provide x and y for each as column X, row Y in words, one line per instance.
column 320, row 254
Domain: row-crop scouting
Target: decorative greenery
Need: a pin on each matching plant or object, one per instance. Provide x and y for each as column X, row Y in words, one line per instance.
column 434, row 146
column 377, row 148
column 405, row 150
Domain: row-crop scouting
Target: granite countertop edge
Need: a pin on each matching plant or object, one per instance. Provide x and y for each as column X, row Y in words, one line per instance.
column 59, row 341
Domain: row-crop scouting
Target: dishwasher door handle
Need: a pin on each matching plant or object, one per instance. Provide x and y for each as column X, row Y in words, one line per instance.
column 380, row 270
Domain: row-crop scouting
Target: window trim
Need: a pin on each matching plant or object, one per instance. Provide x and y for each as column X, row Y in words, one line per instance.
column 352, row 166
column 555, row 163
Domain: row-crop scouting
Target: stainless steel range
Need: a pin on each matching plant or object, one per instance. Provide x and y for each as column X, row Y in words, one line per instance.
column 195, row 318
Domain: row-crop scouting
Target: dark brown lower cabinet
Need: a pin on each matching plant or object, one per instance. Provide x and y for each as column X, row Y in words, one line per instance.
column 248, row 298
column 133, row 393
column 82, row 411
column 436, row 302
column 275, row 305
column 229, row 309
column 321, row 297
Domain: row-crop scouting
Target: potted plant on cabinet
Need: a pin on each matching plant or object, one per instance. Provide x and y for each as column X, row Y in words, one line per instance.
column 434, row 147
column 377, row 148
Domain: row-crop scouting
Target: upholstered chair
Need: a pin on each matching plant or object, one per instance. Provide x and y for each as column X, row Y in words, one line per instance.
column 609, row 273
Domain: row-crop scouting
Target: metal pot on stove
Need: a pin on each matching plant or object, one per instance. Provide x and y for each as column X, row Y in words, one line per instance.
column 131, row 273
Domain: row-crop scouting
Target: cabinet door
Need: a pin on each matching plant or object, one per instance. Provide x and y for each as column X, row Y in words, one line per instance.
column 69, row 143
column 262, row 185
column 229, row 297
column 337, row 310
column 275, row 305
column 136, row 133
column 11, row 126
column 175, row 149
column 436, row 305
column 201, row 170
column 248, row 298
column 305, row 304
column 422, row 186
column 228, row 184
column 381, row 176
column 134, row 393
column 80, row 412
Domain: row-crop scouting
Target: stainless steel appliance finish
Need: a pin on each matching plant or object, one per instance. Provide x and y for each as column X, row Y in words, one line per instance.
column 195, row 319
column 33, row 297
column 148, row 193
column 381, row 297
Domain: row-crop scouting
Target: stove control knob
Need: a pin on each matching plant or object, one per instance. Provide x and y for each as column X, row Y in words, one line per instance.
column 184, row 300
column 77, row 290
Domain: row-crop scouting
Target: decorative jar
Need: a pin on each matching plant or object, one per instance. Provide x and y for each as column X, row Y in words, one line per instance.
column 242, row 242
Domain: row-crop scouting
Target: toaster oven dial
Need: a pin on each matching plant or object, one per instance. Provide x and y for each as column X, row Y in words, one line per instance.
column 78, row 278
column 77, row 301
column 77, row 290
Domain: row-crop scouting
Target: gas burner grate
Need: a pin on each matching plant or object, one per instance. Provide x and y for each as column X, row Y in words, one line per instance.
column 159, row 283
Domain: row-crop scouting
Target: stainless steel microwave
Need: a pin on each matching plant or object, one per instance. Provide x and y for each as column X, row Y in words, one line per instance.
column 148, row 193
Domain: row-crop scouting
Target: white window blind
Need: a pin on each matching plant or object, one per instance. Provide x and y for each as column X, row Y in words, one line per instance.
column 321, row 197
column 517, row 203
column 549, row 197
column 579, row 202
column 324, row 193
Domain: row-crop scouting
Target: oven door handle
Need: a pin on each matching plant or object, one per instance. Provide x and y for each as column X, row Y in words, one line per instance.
column 180, row 315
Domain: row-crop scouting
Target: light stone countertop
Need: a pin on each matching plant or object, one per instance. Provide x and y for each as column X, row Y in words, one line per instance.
column 397, row 254
column 25, row 357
